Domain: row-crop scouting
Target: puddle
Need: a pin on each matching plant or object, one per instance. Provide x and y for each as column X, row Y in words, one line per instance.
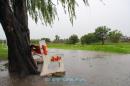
column 83, row 68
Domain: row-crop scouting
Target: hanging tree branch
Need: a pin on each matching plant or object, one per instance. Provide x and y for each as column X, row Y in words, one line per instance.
column 46, row 11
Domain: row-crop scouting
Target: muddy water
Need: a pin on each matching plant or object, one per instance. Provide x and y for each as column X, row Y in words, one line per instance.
column 83, row 68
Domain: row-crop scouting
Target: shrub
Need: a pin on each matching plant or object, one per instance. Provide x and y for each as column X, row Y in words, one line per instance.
column 73, row 39
column 88, row 39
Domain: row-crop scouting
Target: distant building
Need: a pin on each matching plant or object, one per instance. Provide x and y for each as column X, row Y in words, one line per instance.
column 125, row 39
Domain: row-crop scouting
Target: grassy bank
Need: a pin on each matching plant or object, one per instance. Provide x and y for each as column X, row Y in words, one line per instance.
column 3, row 52
column 114, row 48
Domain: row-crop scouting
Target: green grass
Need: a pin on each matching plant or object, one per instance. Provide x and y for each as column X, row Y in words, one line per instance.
column 114, row 48
column 3, row 52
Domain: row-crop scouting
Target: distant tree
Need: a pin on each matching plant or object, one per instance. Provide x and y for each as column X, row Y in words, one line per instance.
column 88, row 39
column 115, row 36
column 66, row 41
column 101, row 33
column 57, row 39
column 61, row 41
column 1, row 40
column 73, row 39
column 46, row 39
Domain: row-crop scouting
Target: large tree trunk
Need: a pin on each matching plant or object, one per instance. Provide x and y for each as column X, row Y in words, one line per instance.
column 20, row 12
column 17, row 34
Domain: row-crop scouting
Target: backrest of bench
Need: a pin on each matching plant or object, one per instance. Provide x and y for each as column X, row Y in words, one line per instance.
column 43, row 47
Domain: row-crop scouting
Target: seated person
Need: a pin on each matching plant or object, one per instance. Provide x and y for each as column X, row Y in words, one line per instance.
column 35, row 49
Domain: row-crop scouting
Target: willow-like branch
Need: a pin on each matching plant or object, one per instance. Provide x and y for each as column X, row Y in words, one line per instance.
column 46, row 10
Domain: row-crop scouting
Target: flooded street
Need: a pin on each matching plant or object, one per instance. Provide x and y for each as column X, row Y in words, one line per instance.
column 83, row 68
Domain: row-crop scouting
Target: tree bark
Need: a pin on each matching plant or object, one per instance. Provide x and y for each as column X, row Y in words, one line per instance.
column 103, row 41
column 17, row 34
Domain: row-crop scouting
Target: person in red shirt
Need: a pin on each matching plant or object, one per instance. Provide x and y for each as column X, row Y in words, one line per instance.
column 35, row 49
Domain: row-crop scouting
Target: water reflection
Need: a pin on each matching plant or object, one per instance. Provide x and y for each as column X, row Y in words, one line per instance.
column 83, row 68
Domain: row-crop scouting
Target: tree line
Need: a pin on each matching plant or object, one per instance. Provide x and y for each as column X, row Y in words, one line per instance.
column 102, row 34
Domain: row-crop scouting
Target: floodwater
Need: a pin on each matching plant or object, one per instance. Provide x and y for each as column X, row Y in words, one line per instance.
column 83, row 68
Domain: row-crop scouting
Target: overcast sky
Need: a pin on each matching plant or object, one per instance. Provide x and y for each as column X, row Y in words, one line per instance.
column 112, row 13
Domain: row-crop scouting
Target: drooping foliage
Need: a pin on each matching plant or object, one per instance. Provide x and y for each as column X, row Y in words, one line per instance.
column 46, row 10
